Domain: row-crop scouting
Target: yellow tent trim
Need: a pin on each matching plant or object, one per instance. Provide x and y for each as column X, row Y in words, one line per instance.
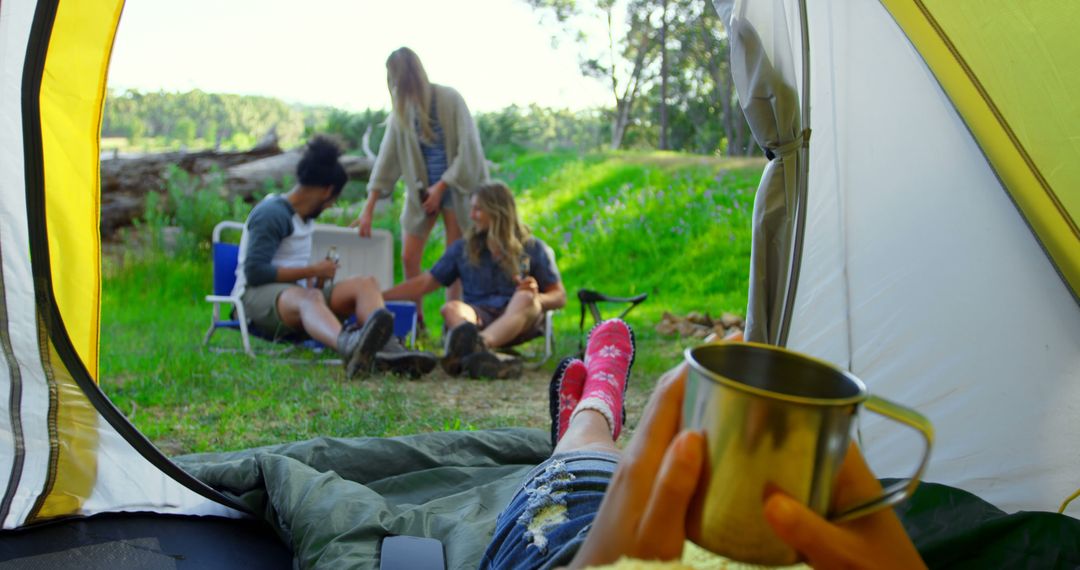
column 1019, row 172
column 71, row 98
column 73, row 471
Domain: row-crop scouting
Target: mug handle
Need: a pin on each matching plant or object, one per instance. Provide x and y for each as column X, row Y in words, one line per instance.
column 903, row 489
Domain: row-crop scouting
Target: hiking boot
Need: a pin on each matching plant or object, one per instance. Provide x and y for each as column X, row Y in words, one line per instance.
column 397, row 359
column 487, row 364
column 462, row 341
column 357, row 345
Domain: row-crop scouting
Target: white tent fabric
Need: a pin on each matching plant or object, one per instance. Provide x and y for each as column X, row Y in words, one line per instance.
column 921, row 277
column 134, row 484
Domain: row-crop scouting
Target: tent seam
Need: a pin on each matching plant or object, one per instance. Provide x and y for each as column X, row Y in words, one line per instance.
column 14, row 396
column 1005, row 188
column 33, row 69
column 15, row 401
column 947, row 42
column 54, row 437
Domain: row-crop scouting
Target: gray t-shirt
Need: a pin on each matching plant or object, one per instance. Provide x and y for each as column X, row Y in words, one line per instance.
column 486, row 284
column 274, row 236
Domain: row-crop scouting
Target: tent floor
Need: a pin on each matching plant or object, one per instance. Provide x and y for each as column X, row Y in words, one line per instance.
column 145, row 541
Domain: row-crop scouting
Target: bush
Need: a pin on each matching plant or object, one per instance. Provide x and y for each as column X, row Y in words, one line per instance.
column 182, row 220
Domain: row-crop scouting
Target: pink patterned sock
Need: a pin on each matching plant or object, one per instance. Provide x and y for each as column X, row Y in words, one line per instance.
column 609, row 355
column 564, row 394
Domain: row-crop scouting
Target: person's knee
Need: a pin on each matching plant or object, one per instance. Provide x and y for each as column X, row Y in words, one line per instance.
column 312, row 297
column 451, row 309
column 525, row 302
column 367, row 285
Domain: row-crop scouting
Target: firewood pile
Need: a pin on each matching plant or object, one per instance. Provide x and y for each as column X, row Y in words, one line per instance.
column 699, row 325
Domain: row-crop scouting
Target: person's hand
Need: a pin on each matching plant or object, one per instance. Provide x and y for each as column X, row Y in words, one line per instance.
column 364, row 223
column 874, row 541
column 644, row 512
column 528, row 283
column 433, row 203
column 527, row 286
column 324, row 269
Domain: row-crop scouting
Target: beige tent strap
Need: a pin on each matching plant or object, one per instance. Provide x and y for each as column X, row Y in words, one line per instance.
column 1071, row 498
column 789, row 148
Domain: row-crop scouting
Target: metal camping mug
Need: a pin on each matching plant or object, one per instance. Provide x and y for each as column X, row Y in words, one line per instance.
column 775, row 419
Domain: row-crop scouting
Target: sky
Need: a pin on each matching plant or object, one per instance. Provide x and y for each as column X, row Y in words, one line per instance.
column 333, row 52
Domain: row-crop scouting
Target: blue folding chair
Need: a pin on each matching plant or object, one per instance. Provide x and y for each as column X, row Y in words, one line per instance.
column 225, row 256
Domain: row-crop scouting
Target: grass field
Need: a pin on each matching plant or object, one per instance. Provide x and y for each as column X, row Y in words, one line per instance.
column 672, row 225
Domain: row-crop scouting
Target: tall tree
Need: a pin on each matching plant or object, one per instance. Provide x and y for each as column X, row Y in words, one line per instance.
column 702, row 95
column 624, row 62
column 663, row 76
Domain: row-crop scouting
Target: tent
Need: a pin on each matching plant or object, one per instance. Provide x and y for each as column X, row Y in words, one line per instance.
column 905, row 240
column 918, row 225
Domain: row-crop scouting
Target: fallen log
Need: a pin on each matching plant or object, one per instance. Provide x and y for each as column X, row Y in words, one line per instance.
column 126, row 180
column 145, row 173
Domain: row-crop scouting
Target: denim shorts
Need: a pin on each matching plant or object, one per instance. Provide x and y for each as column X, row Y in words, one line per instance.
column 548, row 519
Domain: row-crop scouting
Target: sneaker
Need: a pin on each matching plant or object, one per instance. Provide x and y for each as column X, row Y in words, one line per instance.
column 357, row 345
column 462, row 341
column 487, row 364
column 397, row 359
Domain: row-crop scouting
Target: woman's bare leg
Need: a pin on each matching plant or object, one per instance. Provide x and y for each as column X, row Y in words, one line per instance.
column 453, row 233
column 588, row 431
column 455, row 312
column 412, row 251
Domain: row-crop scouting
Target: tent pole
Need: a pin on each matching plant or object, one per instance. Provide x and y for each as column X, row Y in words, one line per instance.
column 803, row 173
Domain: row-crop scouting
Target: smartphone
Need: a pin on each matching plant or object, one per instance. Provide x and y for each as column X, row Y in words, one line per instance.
column 422, row 190
column 411, row 553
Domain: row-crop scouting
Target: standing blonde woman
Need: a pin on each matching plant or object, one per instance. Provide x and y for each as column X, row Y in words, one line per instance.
column 431, row 143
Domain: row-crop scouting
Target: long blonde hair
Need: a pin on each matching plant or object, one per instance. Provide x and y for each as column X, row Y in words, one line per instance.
column 410, row 88
column 506, row 236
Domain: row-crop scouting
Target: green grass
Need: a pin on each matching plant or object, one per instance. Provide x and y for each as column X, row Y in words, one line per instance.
column 675, row 226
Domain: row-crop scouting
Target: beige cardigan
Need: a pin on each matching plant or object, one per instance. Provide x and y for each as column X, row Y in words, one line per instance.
column 400, row 158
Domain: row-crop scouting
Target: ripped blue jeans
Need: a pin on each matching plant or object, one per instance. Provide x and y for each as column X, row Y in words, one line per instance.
column 547, row 520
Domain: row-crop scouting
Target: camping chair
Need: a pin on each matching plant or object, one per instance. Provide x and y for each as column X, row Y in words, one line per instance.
column 225, row 256
column 354, row 259
column 589, row 300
